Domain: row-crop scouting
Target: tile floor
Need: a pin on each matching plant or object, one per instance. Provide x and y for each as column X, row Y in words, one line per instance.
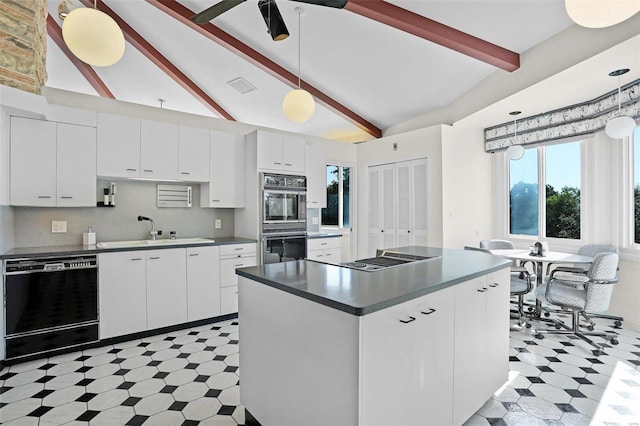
column 192, row 377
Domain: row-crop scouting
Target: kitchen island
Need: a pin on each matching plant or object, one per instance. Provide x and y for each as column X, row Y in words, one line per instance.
column 417, row 344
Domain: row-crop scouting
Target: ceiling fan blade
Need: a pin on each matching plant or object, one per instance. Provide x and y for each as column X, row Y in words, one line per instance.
column 215, row 10
column 338, row 4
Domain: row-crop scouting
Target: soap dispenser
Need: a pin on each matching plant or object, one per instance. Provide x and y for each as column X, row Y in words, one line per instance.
column 89, row 237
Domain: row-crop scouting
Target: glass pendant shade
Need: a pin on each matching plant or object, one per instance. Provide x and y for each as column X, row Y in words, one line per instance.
column 515, row 152
column 93, row 37
column 298, row 105
column 601, row 13
column 620, row 127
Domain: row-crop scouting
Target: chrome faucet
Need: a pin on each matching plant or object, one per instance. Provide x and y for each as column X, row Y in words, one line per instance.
column 153, row 231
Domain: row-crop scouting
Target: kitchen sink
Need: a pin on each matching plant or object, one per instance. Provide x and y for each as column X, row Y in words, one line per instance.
column 151, row 243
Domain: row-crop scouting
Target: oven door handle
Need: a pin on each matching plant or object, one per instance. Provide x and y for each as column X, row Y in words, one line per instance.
column 284, row 237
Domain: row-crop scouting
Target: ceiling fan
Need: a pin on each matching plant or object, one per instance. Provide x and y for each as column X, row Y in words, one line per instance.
column 269, row 10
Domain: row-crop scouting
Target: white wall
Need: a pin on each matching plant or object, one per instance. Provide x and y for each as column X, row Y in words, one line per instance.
column 415, row 144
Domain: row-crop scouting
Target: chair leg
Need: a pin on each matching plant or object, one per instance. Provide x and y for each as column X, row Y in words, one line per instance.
column 520, row 315
column 574, row 329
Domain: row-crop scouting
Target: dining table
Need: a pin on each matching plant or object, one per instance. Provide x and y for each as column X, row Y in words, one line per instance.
column 538, row 262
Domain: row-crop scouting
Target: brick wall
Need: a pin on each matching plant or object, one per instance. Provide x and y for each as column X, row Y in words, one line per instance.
column 23, row 44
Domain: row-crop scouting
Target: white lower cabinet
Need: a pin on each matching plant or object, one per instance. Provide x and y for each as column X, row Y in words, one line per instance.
column 233, row 256
column 203, row 282
column 123, row 293
column 324, row 249
column 166, row 287
column 407, row 356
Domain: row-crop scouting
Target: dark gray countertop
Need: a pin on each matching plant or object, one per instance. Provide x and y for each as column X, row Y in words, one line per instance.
column 361, row 293
column 80, row 249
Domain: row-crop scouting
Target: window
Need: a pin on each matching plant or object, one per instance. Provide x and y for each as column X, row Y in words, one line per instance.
column 558, row 174
column 636, row 185
column 338, row 193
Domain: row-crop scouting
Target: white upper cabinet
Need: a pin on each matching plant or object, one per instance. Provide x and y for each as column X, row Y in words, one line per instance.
column 158, row 150
column 316, row 177
column 33, row 165
column 193, row 154
column 284, row 153
column 76, row 166
column 227, row 166
column 52, row 164
column 118, row 146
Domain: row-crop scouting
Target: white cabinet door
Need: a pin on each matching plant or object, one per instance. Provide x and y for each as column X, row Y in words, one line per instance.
column 118, row 146
column 229, row 300
column 470, row 338
column 497, row 342
column 166, row 287
column 33, row 162
column 375, row 222
column 193, row 154
column 226, row 186
column 333, row 255
column 407, row 360
column 158, row 150
column 419, row 201
column 404, row 203
column 269, row 151
column 388, row 206
column 316, row 168
column 203, row 282
column 293, row 153
column 315, row 255
column 76, row 166
column 228, row 267
column 123, row 295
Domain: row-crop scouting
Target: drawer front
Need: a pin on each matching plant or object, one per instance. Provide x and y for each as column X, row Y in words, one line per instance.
column 234, row 249
column 229, row 300
column 315, row 254
column 228, row 267
column 323, row 243
column 332, row 255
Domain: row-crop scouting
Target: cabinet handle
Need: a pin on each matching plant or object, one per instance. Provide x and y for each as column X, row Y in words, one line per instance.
column 66, row 198
column 154, row 257
column 131, row 170
column 287, row 164
column 429, row 312
column 407, row 321
column 194, row 254
column 44, row 196
column 323, row 244
column 482, row 290
column 136, row 258
column 278, row 164
column 148, row 171
column 239, row 248
column 185, row 173
column 408, row 232
column 314, row 202
column 216, row 201
column 328, row 254
column 382, row 230
column 239, row 264
column 494, row 285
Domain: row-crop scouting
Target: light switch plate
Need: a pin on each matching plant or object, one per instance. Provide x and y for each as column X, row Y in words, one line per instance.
column 314, row 220
column 58, row 226
column 218, row 223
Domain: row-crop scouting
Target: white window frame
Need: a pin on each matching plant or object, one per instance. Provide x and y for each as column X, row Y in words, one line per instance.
column 341, row 226
column 627, row 228
column 503, row 185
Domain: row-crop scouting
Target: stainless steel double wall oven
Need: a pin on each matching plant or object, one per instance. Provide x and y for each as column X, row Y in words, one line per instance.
column 284, row 217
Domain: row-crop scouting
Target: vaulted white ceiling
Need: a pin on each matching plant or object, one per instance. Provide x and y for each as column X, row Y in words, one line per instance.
column 380, row 73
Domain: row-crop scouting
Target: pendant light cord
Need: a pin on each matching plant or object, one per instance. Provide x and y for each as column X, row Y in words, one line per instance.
column 619, row 96
column 299, row 42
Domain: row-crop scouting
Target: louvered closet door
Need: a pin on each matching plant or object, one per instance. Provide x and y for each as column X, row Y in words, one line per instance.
column 388, row 206
column 419, row 201
column 404, row 203
column 374, row 210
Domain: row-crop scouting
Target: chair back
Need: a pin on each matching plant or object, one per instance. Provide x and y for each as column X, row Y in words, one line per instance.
column 477, row 249
column 602, row 277
column 592, row 249
column 496, row 244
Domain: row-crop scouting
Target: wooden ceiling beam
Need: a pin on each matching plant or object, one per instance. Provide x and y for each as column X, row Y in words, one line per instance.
column 428, row 29
column 55, row 32
column 224, row 39
column 161, row 62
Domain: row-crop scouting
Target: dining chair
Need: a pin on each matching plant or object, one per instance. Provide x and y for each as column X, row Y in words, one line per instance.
column 592, row 295
column 521, row 284
column 579, row 273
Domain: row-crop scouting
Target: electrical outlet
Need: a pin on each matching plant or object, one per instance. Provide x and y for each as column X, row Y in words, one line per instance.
column 218, row 223
column 314, row 220
column 58, row 226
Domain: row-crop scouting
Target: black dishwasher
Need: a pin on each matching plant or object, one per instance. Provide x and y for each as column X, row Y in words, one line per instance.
column 50, row 303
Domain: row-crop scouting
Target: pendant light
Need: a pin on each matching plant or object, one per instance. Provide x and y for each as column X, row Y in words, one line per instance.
column 515, row 152
column 93, row 36
column 298, row 105
column 621, row 126
column 601, row 13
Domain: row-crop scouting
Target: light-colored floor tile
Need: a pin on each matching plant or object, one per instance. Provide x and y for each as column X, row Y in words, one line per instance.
column 165, row 354
column 524, row 368
column 190, row 392
column 154, row 404
column 63, row 396
column 193, row 348
column 541, row 350
column 233, row 360
column 476, row 420
column 99, row 359
column 135, row 362
column 217, row 341
column 592, row 391
column 575, row 419
column 62, row 358
column 147, row 387
column 109, row 399
column 201, row 409
column 172, row 365
column 127, row 344
column 101, row 371
column 21, row 392
column 585, row 406
column 210, row 368
column 558, row 380
column 22, row 421
column 140, row 374
column 238, row 414
column 131, row 352
column 165, row 418
column 65, row 368
column 231, row 396
column 63, row 413
column 506, row 394
column 219, row 421
column 185, row 339
column 550, row 393
column 159, row 346
column 540, row 408
column 201, row 357
column 104, row 384
column 180, row 377
column 158, row 337
column 97, row 351
column 533, row 359
column 18, row 409
column 574, row 360
column 23, row 378
column 523, row 418
column 64, row 381
column 26, row 366
column 222, row 381
column 567, row 370
column 116, row 416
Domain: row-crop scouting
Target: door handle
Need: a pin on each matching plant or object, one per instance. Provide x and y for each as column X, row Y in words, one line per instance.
column 407, row 321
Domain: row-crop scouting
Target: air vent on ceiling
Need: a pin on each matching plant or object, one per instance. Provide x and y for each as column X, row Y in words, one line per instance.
column 241, row 85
